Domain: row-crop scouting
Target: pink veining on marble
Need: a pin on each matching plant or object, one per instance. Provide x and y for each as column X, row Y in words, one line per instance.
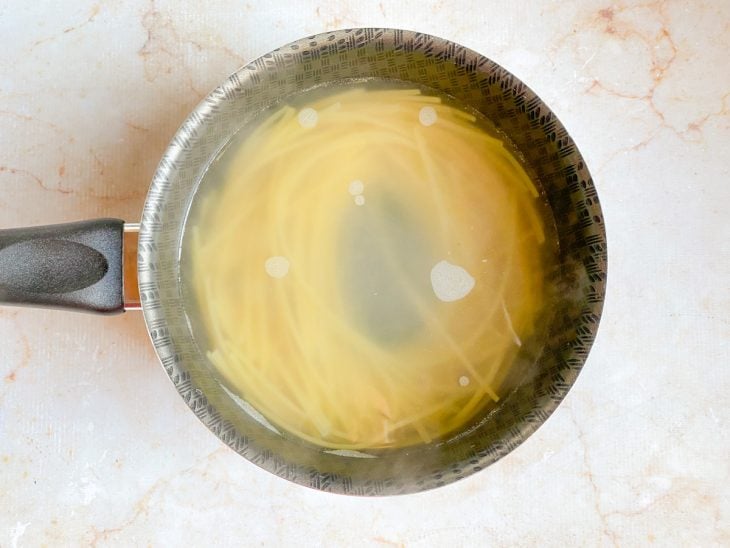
column 96, row 447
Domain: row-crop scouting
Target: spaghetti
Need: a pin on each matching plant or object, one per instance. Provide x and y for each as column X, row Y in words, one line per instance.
column 367, row 267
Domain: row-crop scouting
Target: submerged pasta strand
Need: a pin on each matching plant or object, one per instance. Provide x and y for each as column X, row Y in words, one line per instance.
column 367, row 268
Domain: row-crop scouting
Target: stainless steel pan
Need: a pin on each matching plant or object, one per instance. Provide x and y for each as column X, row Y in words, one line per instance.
column 81, row 265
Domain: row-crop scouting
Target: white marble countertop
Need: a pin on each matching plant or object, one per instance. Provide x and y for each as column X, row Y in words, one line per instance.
column 96, row 446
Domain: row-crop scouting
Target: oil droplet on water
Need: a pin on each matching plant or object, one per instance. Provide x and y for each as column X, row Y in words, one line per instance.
column 427, row 116
column 277, row 266
column 451, row 282
column 308, row 117
column 356, row 187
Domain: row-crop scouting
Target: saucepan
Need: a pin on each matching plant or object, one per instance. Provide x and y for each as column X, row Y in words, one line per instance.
column 90, row 265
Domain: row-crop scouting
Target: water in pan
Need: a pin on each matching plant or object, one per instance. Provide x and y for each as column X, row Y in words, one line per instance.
column 366, row 265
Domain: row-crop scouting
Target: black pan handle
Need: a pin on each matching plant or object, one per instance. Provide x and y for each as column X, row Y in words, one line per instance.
column 73, row 265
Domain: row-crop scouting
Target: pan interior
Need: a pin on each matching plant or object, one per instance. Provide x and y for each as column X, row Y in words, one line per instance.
column 420, row 60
